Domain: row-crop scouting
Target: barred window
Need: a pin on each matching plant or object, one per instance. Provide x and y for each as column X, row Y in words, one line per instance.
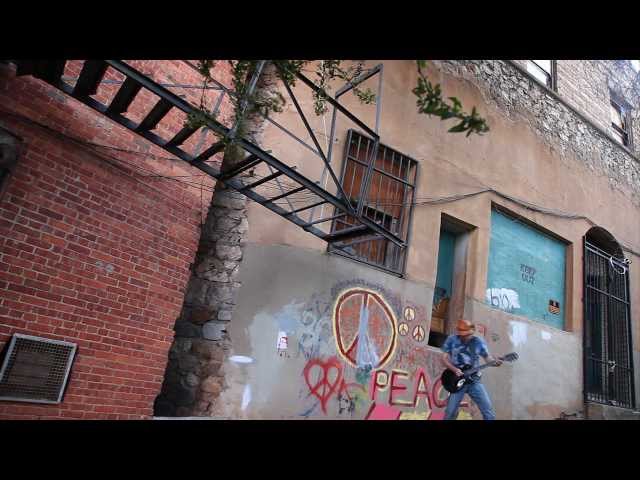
column 543, row 71
column 388, row 201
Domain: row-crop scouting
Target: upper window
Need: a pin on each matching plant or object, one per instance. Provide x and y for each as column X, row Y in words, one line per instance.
column 620, row 122
column 543, row 71
column 388, row 201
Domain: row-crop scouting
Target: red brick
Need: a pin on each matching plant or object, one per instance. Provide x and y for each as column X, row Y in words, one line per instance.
column 50, row 214
column 67, row 209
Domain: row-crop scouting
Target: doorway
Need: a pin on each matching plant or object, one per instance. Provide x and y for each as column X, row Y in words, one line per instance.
column 608, row 360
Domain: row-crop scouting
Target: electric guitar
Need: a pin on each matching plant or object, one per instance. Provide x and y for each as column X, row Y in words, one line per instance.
column 452, row 383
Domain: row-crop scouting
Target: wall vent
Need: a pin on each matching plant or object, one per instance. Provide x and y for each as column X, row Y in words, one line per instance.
column 35, row 369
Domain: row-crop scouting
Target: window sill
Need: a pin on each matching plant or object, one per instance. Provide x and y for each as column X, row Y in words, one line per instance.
column 364, row 263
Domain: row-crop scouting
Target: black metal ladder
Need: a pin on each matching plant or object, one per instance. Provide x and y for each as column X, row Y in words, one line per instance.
column 87, row 84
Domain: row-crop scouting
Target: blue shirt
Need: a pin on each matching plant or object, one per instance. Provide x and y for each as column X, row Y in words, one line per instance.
column 461, row 353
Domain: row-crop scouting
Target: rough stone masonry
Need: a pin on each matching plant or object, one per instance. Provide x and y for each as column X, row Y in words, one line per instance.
column 194, row 373
column 560, row 127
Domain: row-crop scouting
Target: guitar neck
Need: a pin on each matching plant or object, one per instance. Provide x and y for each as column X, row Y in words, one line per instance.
column 471, row 371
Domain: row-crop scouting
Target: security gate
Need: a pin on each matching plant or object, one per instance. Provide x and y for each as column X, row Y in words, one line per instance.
column 608, row 361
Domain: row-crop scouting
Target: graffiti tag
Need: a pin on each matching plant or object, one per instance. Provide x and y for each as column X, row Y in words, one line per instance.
column 503, row 298
column 527, row 273
column 324, row 378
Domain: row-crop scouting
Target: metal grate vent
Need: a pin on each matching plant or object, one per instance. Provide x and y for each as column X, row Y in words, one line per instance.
column 36, row 369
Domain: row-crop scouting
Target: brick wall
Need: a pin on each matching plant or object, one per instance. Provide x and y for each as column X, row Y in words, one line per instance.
column 584, row 86
column 95, row 244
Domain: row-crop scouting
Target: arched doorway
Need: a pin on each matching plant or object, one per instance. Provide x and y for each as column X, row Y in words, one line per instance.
column 608, row 360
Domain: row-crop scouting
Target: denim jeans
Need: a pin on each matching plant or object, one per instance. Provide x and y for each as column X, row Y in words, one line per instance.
column 478, row 394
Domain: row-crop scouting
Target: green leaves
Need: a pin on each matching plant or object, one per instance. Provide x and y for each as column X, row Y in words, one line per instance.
column 430, row 102
column 270, row 99
column 327, row 71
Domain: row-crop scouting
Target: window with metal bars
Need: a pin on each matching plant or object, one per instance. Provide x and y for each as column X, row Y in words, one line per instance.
column 388, row 202
column 608, row 352
column 543, row 71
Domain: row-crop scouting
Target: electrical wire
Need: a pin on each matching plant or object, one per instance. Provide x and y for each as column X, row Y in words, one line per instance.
column 115, row 162
column 307, row 196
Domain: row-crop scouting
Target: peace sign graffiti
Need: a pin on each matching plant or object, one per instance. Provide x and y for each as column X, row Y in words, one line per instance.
column 418, row 333
column 381, row 324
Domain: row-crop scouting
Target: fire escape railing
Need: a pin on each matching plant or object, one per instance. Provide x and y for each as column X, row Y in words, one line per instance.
column 87, row 85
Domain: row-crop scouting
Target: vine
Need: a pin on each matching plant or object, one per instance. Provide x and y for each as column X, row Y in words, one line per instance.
column 429, row 101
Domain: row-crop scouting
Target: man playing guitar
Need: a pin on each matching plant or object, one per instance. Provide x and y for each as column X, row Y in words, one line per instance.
column 464, row 350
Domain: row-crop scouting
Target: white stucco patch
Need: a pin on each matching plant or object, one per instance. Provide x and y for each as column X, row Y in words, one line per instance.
column 518, row 333
column 283, row 341
column 246, row 396
column 545, row 335
column 241, row 359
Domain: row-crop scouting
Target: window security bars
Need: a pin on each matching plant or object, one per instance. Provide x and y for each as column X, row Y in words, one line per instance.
column 608, row 362
column 389, row 202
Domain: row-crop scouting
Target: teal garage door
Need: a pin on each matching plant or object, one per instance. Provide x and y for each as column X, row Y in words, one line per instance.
column 526, row 273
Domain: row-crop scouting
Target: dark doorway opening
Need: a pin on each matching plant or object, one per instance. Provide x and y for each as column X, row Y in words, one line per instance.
column 448, row 295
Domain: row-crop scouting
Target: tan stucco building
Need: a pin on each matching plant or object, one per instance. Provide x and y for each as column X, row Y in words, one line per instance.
column 496, row 228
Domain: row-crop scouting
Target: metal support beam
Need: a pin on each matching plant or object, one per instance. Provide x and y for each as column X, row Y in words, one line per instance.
column 168, row 98
column 366, row 181
column 210, row 152
column 251, row 148
column 250, row 161
column 322, row 220
column 157, row 113
column 336, row 104
column 231, row 93
column 317, row 144
column 260, row 182
column 244, row 103
column 126, row 93
column 90, row 77
column 287, row 193
column 305, row 208
column 181, row 136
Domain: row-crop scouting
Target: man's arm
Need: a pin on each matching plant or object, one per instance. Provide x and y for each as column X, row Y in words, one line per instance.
column 447, row 363
column 488, row 358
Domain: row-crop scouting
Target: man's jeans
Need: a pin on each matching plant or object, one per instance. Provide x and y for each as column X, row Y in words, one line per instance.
column 478, row 394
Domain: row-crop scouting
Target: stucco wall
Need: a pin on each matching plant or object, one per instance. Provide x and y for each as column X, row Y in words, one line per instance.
column 537, row 151
column 296, row 291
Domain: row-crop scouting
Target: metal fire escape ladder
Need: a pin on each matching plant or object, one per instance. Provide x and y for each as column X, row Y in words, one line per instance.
column 88, row 82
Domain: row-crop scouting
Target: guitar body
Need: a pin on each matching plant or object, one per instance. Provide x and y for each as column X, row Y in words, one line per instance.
column 451, row 382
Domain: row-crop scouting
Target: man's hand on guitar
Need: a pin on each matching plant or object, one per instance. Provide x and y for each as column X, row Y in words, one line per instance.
column 458, row 372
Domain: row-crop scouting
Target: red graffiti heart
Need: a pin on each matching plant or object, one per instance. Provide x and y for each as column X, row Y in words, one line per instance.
column 323, row 388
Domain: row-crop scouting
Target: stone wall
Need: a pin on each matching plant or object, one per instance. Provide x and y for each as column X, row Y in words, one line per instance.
column 517, row 94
